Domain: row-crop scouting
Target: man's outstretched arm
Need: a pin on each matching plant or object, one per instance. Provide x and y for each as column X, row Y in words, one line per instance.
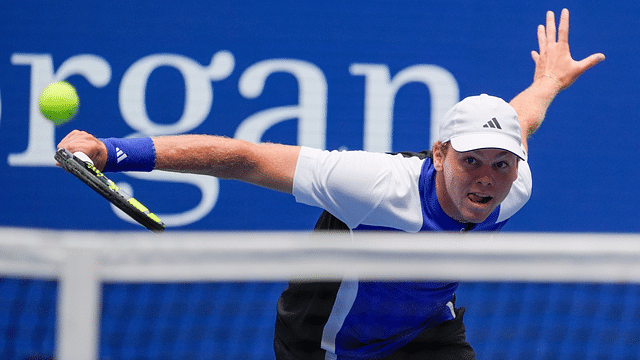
column 555, row 70
column 268, row 165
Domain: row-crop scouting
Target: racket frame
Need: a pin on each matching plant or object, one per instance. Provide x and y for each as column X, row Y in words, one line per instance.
column 95, row 179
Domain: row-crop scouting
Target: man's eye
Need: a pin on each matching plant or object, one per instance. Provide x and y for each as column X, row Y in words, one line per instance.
column 502, row 164
column 470, row 160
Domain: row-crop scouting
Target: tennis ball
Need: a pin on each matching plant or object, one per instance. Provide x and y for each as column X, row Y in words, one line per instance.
column 59, row 102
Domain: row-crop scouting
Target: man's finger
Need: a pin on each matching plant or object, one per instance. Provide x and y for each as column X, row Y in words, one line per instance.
column 551, row 27
column 590, row 61
column 542, row 40
column 563, row 28
column 535, row 56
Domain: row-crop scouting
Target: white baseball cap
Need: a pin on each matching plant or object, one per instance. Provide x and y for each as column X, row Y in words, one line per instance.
column 482, row 122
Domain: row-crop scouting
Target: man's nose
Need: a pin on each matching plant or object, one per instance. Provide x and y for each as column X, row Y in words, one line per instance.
column 485, row 177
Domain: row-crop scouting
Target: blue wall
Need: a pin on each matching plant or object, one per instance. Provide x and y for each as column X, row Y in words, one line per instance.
column 145, row 67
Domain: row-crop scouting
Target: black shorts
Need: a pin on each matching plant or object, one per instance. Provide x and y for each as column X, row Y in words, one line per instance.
column 445, row 341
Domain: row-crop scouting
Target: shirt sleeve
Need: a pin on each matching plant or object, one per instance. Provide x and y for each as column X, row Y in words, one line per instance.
column 519, row 194
column 361, row 187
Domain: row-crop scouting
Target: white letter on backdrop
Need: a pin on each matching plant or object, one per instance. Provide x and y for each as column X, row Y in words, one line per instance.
column 311, row 110
column 380, row 93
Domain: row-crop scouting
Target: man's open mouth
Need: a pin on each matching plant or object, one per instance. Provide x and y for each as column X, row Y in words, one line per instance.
column 479, row 198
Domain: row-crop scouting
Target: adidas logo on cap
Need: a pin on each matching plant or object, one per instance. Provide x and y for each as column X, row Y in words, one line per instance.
column 493, row 123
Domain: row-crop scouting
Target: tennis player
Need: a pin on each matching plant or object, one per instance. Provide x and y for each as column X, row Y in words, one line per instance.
column 474, row 178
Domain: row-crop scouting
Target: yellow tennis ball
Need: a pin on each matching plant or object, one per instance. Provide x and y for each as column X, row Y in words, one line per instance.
column 59, row 102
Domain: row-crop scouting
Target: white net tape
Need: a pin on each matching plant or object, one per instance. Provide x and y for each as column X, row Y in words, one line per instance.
column 201, row 256
column 80, row 261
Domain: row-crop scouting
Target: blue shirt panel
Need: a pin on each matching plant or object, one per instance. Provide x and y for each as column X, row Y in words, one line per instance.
column 387, row 315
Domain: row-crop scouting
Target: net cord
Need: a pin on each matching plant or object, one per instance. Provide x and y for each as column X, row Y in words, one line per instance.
column 82, row 260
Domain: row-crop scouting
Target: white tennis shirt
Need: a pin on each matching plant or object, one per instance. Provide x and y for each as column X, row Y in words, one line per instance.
column 367, row 188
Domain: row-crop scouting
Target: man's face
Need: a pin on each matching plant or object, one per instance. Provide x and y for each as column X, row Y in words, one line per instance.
column 470, row 185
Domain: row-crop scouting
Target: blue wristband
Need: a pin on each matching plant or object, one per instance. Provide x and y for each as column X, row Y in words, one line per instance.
column 137, row 154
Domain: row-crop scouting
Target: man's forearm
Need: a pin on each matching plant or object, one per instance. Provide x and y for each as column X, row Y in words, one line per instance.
column 532, row 104
column 267, row 165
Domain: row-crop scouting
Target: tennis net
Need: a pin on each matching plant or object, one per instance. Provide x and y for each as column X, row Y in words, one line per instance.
column 191, row 295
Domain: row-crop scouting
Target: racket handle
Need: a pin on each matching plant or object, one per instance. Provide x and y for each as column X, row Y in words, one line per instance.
column 82, row 156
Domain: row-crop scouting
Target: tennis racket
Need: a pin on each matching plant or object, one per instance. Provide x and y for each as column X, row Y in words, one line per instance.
column 84, row 170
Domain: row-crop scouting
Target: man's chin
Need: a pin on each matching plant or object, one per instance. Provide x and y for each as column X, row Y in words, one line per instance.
column 477, row 214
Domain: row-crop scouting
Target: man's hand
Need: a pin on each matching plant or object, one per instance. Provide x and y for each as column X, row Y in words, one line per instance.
column 554, row 60
column 555, row 71
column 88, row 144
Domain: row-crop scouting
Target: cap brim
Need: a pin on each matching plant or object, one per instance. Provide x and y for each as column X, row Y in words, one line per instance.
column 470, row 142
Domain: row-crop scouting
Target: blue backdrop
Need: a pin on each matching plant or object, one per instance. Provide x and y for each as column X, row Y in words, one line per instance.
column 335, row 74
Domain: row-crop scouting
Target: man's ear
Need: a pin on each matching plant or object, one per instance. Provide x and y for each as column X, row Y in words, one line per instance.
column 439, row 153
